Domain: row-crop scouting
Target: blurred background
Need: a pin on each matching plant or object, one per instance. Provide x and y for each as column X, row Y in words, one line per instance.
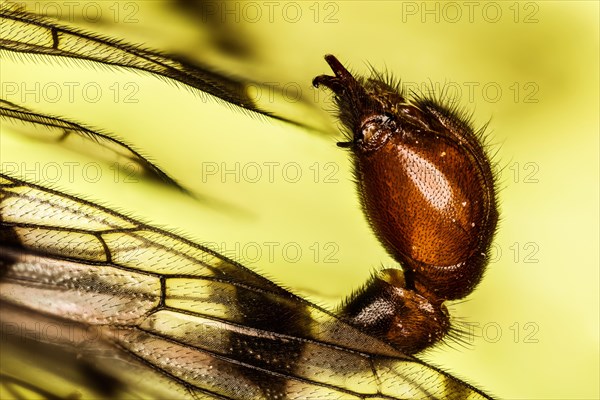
column 280, row 198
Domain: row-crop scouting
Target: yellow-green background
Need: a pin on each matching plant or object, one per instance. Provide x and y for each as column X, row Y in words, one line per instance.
column 549, row 47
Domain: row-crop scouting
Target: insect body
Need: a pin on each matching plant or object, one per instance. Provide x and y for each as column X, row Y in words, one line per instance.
column 427, row 190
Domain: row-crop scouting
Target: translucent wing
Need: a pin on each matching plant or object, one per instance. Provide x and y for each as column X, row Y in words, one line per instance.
column 148, row 313
column 26, row 34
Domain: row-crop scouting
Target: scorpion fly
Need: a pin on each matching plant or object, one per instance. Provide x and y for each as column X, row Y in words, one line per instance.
column 140, row 311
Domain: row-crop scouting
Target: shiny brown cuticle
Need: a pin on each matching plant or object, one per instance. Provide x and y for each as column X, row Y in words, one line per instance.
column 427, row 189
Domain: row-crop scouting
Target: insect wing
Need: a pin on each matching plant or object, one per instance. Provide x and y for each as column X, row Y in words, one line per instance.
column 28, row 35
column 170, row 316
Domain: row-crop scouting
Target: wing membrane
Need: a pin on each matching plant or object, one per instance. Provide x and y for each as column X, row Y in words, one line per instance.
column 204, row 325
column 26, row 34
